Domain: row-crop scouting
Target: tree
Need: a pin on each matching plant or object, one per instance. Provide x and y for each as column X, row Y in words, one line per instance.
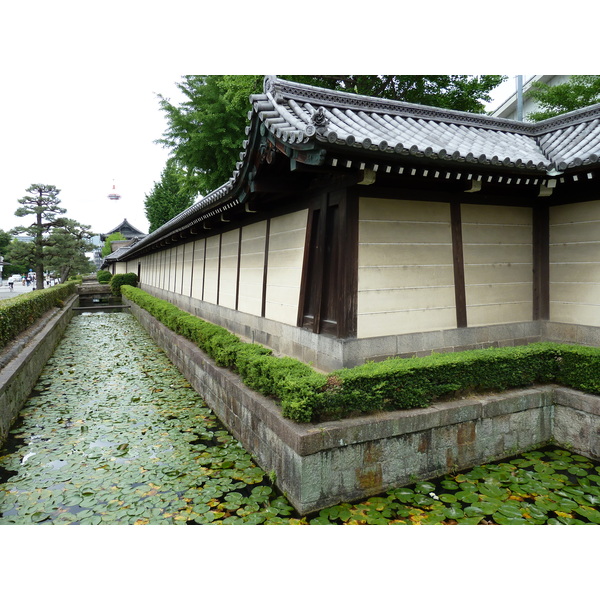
column 457, row 92
column 205, row 133
column 20, row 255
column 113, row 237
column 66, row 247
column 43, row 204
column 578, row 92
column 5, row 239
column 168, row 197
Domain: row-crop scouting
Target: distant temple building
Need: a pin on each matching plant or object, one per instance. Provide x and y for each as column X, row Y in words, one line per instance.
column 126, row 229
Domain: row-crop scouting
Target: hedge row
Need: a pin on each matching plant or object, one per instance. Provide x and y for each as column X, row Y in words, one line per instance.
column 393, row 384
column 21, row 312
column 120, row 279
column 295, row 384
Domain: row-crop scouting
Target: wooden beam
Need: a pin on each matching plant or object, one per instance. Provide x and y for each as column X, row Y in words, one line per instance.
column 459, row 265
column 541, row 262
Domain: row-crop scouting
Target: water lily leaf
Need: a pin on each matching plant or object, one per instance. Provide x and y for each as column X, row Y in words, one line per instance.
column 591, row 514
column 453, row 512
column 448, row 484
column 492, row 491
column 472, row 520
column 467, row 497
column 509, row 510
column 448, row 498
column 504, row 520
column 424, row 487
column 405, row 495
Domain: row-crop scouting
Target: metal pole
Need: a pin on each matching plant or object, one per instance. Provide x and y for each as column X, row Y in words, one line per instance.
column 519, row 97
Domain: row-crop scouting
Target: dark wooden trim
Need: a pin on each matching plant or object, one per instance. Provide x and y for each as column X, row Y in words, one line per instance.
column 263, row 304
column 239, row 262
column 348, row 296
column 204, row 268
column 541, row 263
column 192, row 267
column 175, row 269
column 219, row 268
column 459, row 264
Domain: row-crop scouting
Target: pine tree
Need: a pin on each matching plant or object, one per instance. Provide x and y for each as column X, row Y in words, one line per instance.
column 43, row 205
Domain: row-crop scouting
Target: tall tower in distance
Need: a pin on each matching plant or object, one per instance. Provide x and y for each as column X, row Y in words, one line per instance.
column 113, row 195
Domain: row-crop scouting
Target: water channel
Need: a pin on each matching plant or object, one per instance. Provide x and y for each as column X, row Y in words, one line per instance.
column 114, row 434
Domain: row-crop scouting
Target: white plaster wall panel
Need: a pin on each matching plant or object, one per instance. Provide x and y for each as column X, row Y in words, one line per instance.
column 286, row 252
column 498, row 259
column 198, row 269
column 575, row 263
column 514, row 312
column 406, row 275
column 229, row 268
column 179, row 264
column 186, row 276
column 162, row 270
column 211, row 267
column 399, row 322
column 405, row 267
column 252, row 264
column 172, row 274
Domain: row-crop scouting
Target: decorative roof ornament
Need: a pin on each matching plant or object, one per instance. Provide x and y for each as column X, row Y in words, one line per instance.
column 319, row 118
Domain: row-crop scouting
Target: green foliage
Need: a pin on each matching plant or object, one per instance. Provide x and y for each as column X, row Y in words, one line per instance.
column 103, row 276
column 21, row 256
column 113, row 237
column 19, row 313
column 578, row 92
column 168, row 197
column 65, row 248
column 394, row 384
column 5, row 240
column 456, row 92
column 43, row 204
column 122, row 279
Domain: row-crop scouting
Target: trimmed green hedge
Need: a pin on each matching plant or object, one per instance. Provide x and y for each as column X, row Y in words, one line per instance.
column 397, row 383
column 21, row 312
column 103, row 276
column 122, row 279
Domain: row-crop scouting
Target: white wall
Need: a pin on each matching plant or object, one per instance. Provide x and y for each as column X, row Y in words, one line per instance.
column 575, row 263
column 405, row 267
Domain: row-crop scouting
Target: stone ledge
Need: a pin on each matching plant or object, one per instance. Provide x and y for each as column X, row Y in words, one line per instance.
column 22, row 369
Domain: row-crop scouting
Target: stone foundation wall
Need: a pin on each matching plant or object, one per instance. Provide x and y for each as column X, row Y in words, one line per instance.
column 22, row 362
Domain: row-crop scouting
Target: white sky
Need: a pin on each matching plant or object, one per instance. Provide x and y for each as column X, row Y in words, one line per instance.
column 78, row 103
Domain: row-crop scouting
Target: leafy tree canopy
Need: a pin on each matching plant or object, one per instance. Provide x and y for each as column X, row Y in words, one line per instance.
column 205, row 133
column 578, row 92
column 113, row 237
column 168, row 197
column 65, row 249
column 5, row 239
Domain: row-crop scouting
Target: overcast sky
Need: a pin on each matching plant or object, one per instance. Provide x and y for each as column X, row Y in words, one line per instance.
column 79, row 82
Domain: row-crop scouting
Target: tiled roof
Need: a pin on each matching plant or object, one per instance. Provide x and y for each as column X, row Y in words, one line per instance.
column 297, row 113
column 305, row 117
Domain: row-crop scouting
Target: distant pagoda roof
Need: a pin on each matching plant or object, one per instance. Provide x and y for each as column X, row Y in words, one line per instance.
column 126, row 229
